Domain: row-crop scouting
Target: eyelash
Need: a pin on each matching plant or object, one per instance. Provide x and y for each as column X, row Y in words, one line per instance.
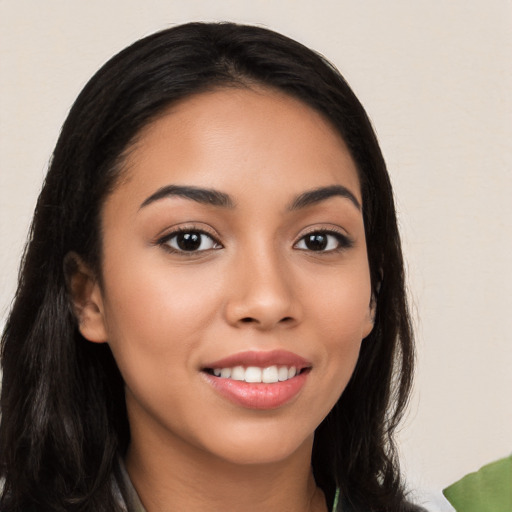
column 342, row 241
column 165, row 241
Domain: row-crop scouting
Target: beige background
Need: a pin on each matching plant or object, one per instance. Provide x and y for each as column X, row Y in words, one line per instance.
column 435, row 77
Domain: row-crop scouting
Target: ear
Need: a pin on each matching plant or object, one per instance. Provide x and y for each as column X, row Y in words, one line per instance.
column 372, row 307
column 86, row 298
column 370, row 317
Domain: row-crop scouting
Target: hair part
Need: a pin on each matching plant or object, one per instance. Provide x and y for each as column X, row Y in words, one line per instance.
column 64, row 419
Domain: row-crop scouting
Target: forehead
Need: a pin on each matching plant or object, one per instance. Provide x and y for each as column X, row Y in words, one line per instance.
column 237, row 138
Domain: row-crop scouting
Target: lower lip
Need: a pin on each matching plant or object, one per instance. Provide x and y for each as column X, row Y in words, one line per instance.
column 258, row 395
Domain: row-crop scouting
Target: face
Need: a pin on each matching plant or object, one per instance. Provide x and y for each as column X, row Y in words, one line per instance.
column 236, row 289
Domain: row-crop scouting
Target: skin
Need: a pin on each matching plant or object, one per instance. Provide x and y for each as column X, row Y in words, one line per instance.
column 258, row 287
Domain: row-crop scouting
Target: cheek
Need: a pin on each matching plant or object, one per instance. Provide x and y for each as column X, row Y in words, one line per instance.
column 343, row 320
column 342, row 305
column 154, row 313
column 155, row 320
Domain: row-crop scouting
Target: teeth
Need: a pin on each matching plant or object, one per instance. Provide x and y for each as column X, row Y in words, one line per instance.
column 282, row 373
column 225, row 373
column 270, row 375
column 238, row 373
column 252, row 374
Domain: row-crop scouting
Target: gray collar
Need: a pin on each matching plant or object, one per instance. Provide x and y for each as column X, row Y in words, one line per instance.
column 126, row 494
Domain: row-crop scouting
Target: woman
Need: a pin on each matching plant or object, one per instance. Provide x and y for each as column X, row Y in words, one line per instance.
column 211, row 310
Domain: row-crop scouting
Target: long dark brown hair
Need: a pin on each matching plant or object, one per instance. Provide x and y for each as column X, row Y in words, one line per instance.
column 64, row 421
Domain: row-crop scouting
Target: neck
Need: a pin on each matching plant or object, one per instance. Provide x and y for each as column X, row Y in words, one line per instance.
column 179, row 477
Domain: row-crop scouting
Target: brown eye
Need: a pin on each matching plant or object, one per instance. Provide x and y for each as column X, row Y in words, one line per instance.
column 316, row 242
column 323, row 241
column 190, row 241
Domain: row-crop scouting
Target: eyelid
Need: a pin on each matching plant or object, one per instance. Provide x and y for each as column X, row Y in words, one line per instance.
column 345, row 240
column 169, row 233
column 184, row 227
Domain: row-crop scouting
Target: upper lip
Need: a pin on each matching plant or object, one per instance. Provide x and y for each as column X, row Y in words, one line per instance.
column 262, row 359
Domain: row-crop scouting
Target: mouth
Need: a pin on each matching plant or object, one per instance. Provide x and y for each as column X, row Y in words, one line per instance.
column 254, row 374
column 258, row 380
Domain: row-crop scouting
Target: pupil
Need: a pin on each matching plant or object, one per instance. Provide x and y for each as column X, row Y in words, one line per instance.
column 189, row 241
column 316, row 242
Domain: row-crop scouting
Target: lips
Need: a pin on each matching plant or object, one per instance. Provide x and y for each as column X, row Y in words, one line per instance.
column 261, row 359
column 258, row 380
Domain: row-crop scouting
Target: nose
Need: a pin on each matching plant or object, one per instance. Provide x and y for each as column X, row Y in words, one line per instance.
column 262, row 294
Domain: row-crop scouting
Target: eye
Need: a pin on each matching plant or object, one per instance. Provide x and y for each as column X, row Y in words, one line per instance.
column 189, row 241
column 323, row 241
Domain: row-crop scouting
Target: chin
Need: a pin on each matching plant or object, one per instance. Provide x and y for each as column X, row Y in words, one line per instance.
column 264, row 449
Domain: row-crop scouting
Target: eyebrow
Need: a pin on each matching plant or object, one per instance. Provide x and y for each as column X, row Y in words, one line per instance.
column 201, row 195
column 214, row 197
column 321, row 194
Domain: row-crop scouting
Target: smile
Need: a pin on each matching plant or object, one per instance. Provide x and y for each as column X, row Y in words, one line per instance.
column 254, row 374
column 258, row 380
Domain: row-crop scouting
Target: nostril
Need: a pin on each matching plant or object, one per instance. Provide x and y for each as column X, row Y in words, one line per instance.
column 248, row 320
column 286, row 320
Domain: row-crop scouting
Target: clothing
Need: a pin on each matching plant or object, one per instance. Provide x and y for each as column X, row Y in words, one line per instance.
column 126, row 494
column 487, row 490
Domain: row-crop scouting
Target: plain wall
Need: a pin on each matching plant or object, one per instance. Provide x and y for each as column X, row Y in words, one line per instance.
column 436, row 80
